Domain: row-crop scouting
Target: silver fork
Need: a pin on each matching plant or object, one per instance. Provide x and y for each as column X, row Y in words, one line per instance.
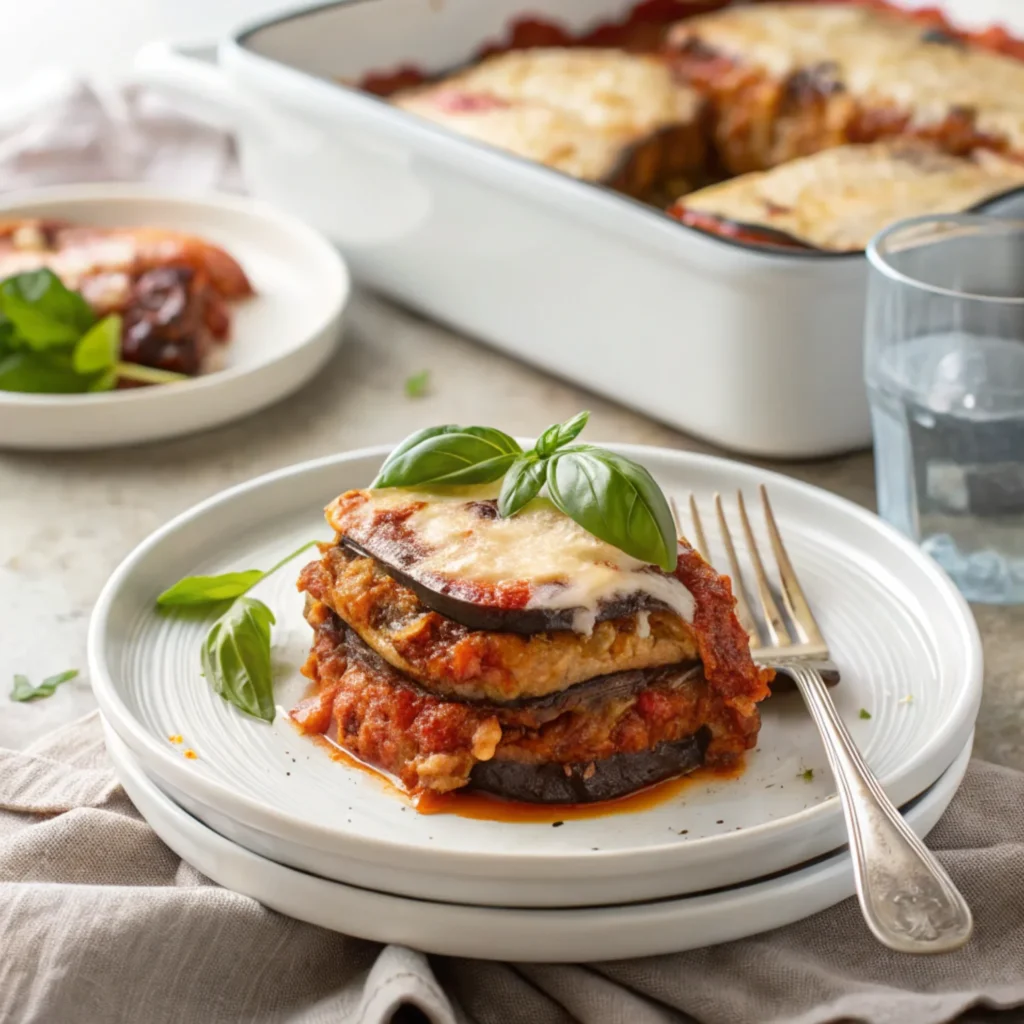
column 907, row 899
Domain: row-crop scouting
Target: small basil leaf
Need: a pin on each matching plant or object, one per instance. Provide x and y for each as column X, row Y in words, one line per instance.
column 616, row 500
column 560, row 434
column 416, row 386
column 449, row 455
column 148, row 374
column 98, row 349
column 209, row 589
column 24, row 690
column 236, row 658
column 42, row 312
column 40, row 373
column 106, row 381
column 522, row 483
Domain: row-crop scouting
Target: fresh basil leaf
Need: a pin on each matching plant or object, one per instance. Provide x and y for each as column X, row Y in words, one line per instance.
column 194, row 590
column 616, row 500
column 105, row 381
column 24, row 690
column 560, row 434
column 209, row 590
column 42, row 312
column 236, row 657
column 522, row 483
column 416, row 385
column 41, row 373
column 449, row 455
column 99, row 348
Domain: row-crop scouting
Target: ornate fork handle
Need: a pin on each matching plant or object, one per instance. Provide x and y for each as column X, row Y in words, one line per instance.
column 907, row 899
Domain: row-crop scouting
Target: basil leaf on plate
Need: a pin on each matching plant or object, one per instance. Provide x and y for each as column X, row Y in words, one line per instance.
column 200, row 590
column 560, row 434
column 41, row 373
column 148, row 374
column 193, row 590
column 42, row 311
column 236, row 658
column 522, row 483
column 616, row 500
column 449, row 455
column 99, row 348
column 24, row 690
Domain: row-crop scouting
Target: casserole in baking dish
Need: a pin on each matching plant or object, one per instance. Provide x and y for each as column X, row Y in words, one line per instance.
column 582, row 281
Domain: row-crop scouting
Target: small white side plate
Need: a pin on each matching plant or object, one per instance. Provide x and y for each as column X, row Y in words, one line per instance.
column 280, row 337
column 898, row 628
column 496, row 933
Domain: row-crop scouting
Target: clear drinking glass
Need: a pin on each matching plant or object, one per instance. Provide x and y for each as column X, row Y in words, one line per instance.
column 944, row 364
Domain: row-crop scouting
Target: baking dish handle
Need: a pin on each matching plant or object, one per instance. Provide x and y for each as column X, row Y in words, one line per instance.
column 191, row 76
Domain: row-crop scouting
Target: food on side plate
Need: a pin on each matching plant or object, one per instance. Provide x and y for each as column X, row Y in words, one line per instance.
column 621, row 119
column 790, row 79
column 485, row 635
column 169, row 290
column 838, row 199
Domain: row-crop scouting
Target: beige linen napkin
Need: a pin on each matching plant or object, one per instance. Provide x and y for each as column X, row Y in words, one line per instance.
column 100, row 922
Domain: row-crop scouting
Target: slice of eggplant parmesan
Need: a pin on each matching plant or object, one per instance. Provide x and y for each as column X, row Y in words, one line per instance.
column 604, row 779
column 535, row 572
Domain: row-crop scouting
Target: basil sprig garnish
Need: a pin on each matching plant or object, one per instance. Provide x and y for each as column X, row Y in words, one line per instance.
column 610, row 496
column 236, row 652
column 24, row 690
column 51, row 341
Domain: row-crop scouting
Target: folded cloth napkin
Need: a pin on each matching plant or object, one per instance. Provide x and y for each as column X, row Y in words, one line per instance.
column 100, row 922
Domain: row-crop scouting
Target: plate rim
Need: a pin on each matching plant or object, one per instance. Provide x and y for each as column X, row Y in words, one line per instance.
column 828, row 870
column 327, row 255
column 276, row 822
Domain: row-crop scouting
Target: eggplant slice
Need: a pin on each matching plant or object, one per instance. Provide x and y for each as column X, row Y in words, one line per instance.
column 604, row 779
column 495, row 619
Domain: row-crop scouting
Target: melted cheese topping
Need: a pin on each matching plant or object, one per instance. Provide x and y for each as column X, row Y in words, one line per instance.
column 574, row 110
column 840, row 198
column 880, row 57
column 566, row 566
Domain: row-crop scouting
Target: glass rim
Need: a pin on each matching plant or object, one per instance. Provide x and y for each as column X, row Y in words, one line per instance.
column 879, row 261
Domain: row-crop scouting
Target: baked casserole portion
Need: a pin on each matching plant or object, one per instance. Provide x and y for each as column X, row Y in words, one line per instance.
column 606, row 674
column 838, row 199
column 603, row 115
column 789, row 79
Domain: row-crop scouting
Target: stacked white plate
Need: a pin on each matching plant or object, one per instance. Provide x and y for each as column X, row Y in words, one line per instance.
column 263, row 810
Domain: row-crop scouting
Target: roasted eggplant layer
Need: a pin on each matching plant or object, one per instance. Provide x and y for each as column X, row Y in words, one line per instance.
column 838, row 199
column 601, row 115
column 533, row 572
column 451, row 659
column 429, row 743
column 790, row 79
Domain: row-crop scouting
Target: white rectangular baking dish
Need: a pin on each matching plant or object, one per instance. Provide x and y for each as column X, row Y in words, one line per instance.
column 759, row 352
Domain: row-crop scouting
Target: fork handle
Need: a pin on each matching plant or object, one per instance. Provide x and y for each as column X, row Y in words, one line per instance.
column 908, row 901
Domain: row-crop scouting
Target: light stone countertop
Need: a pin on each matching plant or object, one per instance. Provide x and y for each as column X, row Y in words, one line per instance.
column 66, row 520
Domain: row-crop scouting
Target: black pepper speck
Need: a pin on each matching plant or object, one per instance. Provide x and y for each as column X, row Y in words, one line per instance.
column 555, row 824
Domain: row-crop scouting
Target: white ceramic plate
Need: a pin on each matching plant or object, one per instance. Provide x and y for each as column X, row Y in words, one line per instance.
column 280, row 337
column 898, row 627
column 496, row 933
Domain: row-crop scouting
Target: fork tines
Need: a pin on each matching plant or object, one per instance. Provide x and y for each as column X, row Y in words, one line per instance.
column 770, row 634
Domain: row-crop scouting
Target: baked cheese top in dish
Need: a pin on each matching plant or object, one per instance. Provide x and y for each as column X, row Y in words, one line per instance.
column 879, row 57
column 457, row 546
column 575, row 110
column 838, row 199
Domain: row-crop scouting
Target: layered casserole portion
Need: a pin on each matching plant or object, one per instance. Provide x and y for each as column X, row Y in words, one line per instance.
column 789, row 79
column 619, row 119
column 523, row 656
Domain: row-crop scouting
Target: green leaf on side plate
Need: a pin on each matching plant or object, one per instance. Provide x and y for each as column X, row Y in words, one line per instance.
column 100, row 347
column 24, row 690
column 197, row 590
column 42, row 311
